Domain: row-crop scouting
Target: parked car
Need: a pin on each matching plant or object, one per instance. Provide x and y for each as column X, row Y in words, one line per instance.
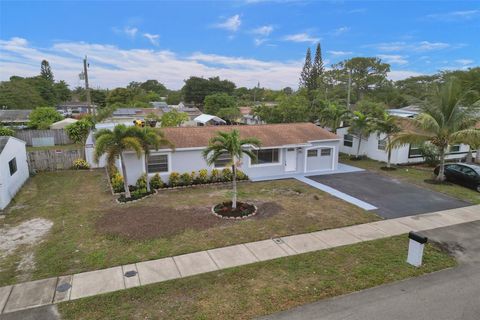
column 464, row 174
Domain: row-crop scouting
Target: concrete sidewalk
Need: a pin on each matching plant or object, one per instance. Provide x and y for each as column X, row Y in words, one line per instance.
column 53, row 290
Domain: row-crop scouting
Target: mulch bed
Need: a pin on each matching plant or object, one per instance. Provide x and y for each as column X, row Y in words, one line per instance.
column 146, row 222
column 242, row 210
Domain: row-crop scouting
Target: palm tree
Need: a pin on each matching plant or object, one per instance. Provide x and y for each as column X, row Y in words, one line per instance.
column 150, row 138
column 229, row 143
column 332, row 116
column 388, row 126
column 445, row 120
column 361, row 127
column 114, row 144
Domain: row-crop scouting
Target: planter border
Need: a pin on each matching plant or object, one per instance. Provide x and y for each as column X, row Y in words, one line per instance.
column 234, row 218
column 136, row 200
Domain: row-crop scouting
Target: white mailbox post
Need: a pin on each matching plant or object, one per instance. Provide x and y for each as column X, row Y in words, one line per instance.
column 415, row 248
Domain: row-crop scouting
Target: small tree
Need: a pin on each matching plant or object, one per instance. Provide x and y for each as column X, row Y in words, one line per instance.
column 173, row 118
column 45, row 71
column 214, row 102
column 78, row 132
column 361, row 127
column 387, row 125
column 230, row 143
column 332, row 116
column 43, row 117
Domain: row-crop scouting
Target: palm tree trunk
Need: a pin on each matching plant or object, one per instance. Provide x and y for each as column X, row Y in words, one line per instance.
column 389, row 154
column 147, row 178
column 124, row 173
column 441, row 171
column 234, row 182
column 358, row 147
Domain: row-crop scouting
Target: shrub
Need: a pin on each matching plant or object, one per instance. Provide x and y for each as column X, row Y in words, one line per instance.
column 141, row 182
column 430, row 154
column 185, row 179
column 174, row 179
column 227, row 174
column 202, row 176
column 214, row 175
column 241, row 175
column 156, row 182
column 80, row 164
column 193, row 177
column 117, row 182
column 6, row 132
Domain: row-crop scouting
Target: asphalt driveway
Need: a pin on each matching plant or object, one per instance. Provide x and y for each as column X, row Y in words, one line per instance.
column 392, row 197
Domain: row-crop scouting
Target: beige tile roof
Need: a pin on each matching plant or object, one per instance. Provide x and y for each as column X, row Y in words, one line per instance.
column 270, row 135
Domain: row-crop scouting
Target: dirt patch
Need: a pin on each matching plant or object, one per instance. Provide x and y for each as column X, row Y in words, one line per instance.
column 142, row 223
column 25, row 234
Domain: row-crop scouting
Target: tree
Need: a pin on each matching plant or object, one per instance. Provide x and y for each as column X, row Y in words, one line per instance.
column 388, row 125
column 43, row 117
column 332, row 116
column 78, row 132
column 120, row 95
column 214, row 102
column 114, row 144
column 445, row 120
column 62, row 92
column 154, row 86
column 305, row 76
column 45, row 71
column 294, row 108
column 317, row 69
column 230, row 143
column 18, row 93
column 374, row 110
column 196, row 89
column 360, row 127
column 229, row 114
column 174, row 97
column 150, row 138
column 173, row 118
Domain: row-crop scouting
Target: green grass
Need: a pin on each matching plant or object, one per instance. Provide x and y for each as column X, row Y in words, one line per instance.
column 263, row 288
column 75, row 200
column 416, row 176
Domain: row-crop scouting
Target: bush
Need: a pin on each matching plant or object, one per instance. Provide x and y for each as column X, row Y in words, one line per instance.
column 185, row 179
column 156, row 182
column 193, row 177
column 141, row 182
column 430, row 154
column 117, row 182
column 6, row 132
column 202, row 176
column 227, row 175
column 174, row 179
column 241, row 175
column 214, row 175
column 80, row 164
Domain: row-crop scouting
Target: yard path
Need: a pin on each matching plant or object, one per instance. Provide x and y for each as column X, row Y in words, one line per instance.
column 58, row 289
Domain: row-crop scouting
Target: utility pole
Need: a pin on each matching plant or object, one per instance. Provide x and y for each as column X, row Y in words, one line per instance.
column 87, row 89
column 349, row 88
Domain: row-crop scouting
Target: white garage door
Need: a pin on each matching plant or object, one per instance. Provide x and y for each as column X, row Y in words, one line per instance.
column 319, row 159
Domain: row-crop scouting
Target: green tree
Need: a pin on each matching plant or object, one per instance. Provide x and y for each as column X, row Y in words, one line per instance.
column 361, row 127
column 62, row 92
column 78, row 132
column 332, row 116
column 19, row 94
column 446, row 119
column 305, row 75
column 173, row 118
column 196, row 89
column 120, row 95
column 214, row 102
column 45, row 71
column 317, row 69
column 229, row 114
column 374, row 110
column 43, row 117
column 230, row 143
column 388, row 125
column 174, row 97
column 114, row 144
column 294, row 108
column 154, row 86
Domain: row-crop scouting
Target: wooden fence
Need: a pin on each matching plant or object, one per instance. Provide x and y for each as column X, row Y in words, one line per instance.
column 59, row 136
column 52, row 160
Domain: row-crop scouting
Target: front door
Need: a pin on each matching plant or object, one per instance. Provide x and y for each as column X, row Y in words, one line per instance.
column 291, row 159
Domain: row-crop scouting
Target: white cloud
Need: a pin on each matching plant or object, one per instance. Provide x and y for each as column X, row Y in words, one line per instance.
column 340, row 31
column 393, row 58
column 259, row 41
column 340, row 53
column 231, row 24
column 455, row 15
column 428, row 46
column 421, row 46
column 402, row 74
column 112, row 67
column 153, row 38
column 263, row 30
column 464, row 61
column 301, row 37
column 131, row 32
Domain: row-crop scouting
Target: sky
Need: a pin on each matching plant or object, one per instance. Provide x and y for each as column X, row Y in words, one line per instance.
column 245, row 41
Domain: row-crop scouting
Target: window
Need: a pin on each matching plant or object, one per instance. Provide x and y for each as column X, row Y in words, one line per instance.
column 223, row 161
column 325, row 152
column 312, row 153
column 467, row 171
column 454, row 148
column 382, row 144
column 414, row 151
column 157, row 163
column 265, row 156
column 348, row 140
column 12, row 164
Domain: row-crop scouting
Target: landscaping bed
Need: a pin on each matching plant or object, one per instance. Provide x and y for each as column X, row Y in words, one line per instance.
column 242, row 211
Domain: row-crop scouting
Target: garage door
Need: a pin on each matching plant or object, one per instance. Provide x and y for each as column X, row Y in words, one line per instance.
column 319, row 159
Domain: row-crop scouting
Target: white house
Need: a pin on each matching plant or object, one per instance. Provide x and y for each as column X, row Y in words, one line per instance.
column 13, row 168
column 286, row 149
column 374, row 147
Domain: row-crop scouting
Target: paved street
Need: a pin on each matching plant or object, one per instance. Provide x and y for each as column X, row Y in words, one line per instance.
column 445, row 295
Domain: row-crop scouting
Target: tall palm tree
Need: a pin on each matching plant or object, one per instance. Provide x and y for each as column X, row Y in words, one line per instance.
column 387, row 125
column 150, row 138
column 114, row 143
column 445, row 120
column 332, row 116
column 361, row 126
column 230, row 143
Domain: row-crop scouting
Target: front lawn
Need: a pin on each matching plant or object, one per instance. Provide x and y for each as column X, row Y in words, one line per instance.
column 91, row 231
column 262, row 288
column 416, row 176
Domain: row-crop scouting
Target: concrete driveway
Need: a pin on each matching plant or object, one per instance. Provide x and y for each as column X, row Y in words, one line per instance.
column 392, row 197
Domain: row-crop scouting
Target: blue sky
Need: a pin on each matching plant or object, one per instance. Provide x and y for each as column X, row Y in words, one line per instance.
column 245, row 41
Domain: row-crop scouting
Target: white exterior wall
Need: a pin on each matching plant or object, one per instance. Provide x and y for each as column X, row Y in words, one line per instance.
column 10, row 184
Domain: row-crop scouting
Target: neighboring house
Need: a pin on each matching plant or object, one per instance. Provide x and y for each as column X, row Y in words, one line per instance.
column 74, row 108
column 122, row 115
column 375, row 146
column 14, row 118
column 285, row 149
column 159, row 104
column 209, row 120
column 62, row 124
column 248, row 117
column 13, row 168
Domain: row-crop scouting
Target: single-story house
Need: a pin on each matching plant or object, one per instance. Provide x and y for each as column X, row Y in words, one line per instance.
column 14, row 118
column 209, row 120
column 285, row 149
column 374, row 147
column 13, row 168
column 62, row 124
